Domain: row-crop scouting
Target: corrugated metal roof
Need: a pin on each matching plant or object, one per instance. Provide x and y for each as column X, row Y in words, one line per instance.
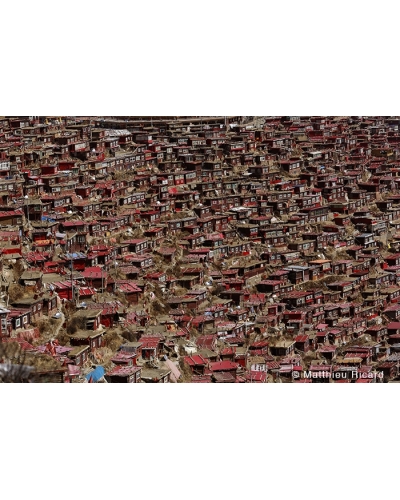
column 96, row 374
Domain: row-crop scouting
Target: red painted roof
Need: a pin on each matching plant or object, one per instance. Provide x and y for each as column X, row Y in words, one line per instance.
column 124, row 371
column 123, row 356
column 195, row 360
column 227, row 351
column 149, row 342
column 301, row 338
column 23, row 343
column 394, row 325
column 223, row 366
column 86, row 291
column 259, row 345
column 256, row 376
column 128, row 288
column 206, row 341
column 201, row 379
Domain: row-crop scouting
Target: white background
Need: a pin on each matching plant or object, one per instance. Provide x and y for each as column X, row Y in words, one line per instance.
column 181, row 441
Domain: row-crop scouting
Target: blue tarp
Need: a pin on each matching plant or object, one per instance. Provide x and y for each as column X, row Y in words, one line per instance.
column 75, row 255
column 96, row 374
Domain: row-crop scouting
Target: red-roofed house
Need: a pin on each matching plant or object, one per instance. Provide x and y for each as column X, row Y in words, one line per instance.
column 124, row 374
column 151, row 346
column 256, row 377
column 302, row 343
column 129, row 289
column 207, row 342
column 223, row 366
column 197, row 363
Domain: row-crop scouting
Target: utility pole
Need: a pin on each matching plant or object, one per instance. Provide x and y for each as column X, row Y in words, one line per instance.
column 72, row 281
column 115, row 269
column 26, row 197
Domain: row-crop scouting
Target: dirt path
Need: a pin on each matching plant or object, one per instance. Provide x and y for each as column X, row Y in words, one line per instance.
column 59, row 326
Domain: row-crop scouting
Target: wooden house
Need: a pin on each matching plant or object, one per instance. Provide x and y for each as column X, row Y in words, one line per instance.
column 33, row 305
column 124, row 374
column 155, row 375
column 88, row 319
column 282, row 348
column 79, row 354
column 87, row 337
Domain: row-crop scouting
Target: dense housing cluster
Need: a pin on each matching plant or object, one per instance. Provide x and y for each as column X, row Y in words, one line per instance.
column 201, row 249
